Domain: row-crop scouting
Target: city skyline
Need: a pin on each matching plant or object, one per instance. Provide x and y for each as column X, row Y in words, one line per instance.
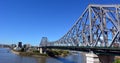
column 28, row 21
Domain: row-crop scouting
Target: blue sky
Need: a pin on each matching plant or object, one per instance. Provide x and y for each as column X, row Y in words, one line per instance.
column 30, row 20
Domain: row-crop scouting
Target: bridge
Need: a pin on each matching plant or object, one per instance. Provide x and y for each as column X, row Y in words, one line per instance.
column 97, row 30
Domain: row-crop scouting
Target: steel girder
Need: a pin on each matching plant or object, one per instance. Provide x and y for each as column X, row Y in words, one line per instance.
column 99, row 25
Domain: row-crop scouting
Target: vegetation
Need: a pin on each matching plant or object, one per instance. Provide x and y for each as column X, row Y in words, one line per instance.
column 31, row 54
column 117, row 61
column 48, row 52
column 52, row 53
column 26, row 53
column 55, row 53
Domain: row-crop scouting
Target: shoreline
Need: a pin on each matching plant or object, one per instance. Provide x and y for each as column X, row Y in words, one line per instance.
column 15, row 52
column 37, row 56
column 29, row 54
column 19, row 53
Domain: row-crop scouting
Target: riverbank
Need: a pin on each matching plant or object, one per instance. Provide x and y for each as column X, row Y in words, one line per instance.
column 57, row 53
column 117, row 59
column 15, row 52
column 49, row 53
column 31, row 54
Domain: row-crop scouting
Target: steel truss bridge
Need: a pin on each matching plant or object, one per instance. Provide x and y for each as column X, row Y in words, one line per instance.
column 97, row 29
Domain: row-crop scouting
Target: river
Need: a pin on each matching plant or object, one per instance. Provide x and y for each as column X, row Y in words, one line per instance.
column 6, row 56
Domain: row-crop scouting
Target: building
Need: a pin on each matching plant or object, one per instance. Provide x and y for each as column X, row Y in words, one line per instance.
column 13, row 45
column 20, row 44
column 26, row 46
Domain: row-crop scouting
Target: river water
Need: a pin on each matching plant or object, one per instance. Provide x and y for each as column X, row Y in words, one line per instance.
column 6, row 56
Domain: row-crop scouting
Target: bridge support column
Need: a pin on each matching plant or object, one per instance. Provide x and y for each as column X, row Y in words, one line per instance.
column 106, row 58
column 41, row 50
column 92, row 58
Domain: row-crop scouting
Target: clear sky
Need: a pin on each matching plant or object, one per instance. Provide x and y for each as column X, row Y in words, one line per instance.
column 30, row 20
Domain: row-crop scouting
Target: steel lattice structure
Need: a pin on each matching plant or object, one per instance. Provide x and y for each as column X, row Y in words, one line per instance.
column 99, row 25
column 44, row 41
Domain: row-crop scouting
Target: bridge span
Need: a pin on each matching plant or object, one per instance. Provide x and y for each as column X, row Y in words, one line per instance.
column 97, row 30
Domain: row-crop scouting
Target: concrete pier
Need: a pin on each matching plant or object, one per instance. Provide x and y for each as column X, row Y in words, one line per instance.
column 92, row 58
column 41, row 50
column 106, row 58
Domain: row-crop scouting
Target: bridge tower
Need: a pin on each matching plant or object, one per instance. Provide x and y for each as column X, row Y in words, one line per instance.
column 44, row 41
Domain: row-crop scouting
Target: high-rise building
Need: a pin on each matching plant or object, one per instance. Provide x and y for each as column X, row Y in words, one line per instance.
column 20, row 44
